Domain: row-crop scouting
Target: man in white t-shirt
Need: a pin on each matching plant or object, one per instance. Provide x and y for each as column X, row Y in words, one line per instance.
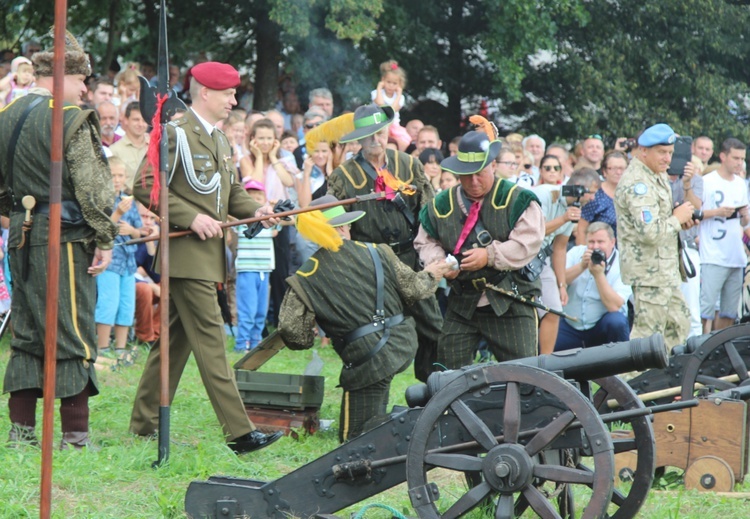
column 723, row 257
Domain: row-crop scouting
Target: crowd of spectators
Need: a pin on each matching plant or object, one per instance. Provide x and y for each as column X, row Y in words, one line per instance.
column 275, row 161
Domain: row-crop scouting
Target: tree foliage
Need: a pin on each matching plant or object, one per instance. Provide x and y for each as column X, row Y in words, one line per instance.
column 638, row 63
column 561, row 68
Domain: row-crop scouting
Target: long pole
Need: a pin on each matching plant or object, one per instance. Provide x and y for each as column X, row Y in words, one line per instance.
column 53, row 262
column 282, row 214
column 163, row 89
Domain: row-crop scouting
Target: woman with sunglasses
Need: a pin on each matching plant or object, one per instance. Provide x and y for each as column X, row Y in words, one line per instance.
column 550, row 170
column 602, row 208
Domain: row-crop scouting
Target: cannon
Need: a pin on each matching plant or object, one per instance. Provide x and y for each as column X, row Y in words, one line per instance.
column 708, row 441
column 522, row 434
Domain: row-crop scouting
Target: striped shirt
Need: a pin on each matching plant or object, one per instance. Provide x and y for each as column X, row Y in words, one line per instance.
column 255, row 255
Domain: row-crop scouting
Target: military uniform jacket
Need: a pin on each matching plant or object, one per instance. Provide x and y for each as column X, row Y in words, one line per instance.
column 86, row 179
column 646, row 230
column 384, row 222
column 203, row 179
column 337, row 289
column 501, row 208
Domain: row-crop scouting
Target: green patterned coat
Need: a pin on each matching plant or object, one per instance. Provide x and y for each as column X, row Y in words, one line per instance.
column 86, row 180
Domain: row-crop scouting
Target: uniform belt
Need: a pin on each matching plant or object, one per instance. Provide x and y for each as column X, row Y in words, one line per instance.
column 70, row 211
column 375, row 326
column 476, row 284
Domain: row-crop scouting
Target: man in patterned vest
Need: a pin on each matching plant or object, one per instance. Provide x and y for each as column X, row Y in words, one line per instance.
column 87, row 236
column 494, row 228
column 393, row 220
column 373, row 338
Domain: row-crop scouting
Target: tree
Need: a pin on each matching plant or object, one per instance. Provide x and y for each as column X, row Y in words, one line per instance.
column 467, row 49
column 639, row 63
column 256, row 36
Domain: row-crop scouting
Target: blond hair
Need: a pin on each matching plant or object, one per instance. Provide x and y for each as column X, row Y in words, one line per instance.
column 391, row 67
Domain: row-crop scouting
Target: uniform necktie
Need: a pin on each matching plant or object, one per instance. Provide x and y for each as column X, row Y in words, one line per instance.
column 471, row 221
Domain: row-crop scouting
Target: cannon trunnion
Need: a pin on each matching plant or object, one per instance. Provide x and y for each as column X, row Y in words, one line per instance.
column 522, row 436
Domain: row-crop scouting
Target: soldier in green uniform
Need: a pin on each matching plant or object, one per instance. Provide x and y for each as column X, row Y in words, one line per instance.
column 647, row 232
column 494, row 228
column 203, row 191
column 86, row 245
column 373, row 338
column 393, row 220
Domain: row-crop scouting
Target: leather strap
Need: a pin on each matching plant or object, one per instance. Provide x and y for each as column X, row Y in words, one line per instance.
column 379, row 321
column 14, row 141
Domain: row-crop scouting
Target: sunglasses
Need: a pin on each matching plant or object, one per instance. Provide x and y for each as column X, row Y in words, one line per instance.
column 509, row 163
column 310, row 126
column 552, row 168
column 527, row 166
column 595, row 136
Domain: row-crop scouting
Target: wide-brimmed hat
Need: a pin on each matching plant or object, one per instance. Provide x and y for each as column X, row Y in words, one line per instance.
column 475, row 151
column 336, row 216
column 368, row 120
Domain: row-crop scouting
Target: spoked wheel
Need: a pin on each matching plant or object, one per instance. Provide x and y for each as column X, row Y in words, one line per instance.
column 722, row 361
column 509, row 464
column 642, row 445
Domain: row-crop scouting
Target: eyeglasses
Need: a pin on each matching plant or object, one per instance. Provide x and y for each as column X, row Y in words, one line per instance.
column 509, row 163
column 595, row 136
column 310, row 126
column 552, row 168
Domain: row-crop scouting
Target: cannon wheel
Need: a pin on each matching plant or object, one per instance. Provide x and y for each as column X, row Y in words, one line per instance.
column 642, row 445
column 721, row 340
column 508, row 467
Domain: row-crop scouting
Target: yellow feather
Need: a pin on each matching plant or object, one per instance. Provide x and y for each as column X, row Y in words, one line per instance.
column 330, row 131
column 313, row 226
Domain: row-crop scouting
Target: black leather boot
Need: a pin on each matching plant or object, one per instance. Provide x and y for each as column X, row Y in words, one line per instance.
column 253, row 441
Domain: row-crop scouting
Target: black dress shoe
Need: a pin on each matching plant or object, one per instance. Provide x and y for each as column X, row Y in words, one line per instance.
column 253, row 441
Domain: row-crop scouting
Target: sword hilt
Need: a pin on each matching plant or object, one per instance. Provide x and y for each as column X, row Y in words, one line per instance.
column 28, row 202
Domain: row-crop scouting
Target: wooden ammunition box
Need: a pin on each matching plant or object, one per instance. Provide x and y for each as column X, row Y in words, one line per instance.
column 278, row 401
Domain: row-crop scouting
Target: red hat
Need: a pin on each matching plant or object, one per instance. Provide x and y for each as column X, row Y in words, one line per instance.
column 215, row 75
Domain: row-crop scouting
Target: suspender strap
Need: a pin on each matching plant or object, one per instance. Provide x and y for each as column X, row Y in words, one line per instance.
column 379, row 321
column 14, row 140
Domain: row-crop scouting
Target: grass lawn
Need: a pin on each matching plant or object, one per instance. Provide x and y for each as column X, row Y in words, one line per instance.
column 118, row 481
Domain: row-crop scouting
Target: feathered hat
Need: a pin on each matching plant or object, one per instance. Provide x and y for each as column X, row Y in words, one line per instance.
column 330, row 131
column 76, row 60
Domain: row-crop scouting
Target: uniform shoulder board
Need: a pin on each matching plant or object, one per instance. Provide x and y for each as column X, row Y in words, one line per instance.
column 177, row 122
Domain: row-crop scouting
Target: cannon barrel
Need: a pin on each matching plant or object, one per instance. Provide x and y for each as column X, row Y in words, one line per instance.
column 580, row 364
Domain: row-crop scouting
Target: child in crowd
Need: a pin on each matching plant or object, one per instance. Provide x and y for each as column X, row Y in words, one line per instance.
column 234, row 128
column 431, row 159
column 447, row 180
column 272, row 171
column 115, row 303
column 254, row 263
column 289, row 141
column 18, row 82
column 390, row 91
column 147, row 288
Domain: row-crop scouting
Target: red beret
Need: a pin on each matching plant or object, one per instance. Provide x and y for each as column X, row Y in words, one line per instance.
column 215, row 75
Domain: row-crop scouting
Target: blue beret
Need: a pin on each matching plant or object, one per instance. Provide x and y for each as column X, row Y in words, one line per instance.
column 657, row 135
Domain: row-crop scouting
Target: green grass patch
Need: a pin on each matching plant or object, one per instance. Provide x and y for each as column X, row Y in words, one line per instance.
column 118, row 481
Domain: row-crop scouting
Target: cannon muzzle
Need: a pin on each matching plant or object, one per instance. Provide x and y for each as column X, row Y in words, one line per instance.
column 579, row 364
